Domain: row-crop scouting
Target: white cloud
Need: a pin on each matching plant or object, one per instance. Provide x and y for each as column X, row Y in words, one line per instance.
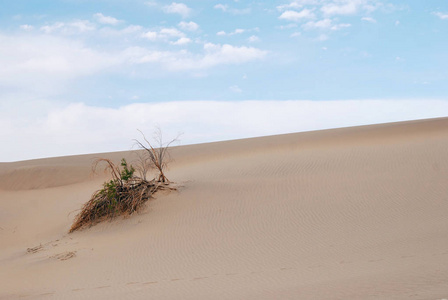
column 171, row 32
column 213, row 55
column 221, row 7
column 178, row 8
column 75, row 27
column 151, row 3
column 289, row 26
column 182, row 41
column 235, row 89
column 216, row 54
column 297, row 4
column 321, row 24
column 296, row 34
column 253, row 39
column 43, row 62
column 368, row 19
column 340, row 26
column 52, row 28
column 163, row 34
column 236, row 31
column 26, row 27
column 291, row 15
column 106, row 19
column 150, row 35
column 127, row 32
column 78, row 128
column 442, row 16
column 234, row 11
column 48, row 63
column 292, row 5
column 82, row 26
column 325, row 24
column 349, row 7
column 190, row 26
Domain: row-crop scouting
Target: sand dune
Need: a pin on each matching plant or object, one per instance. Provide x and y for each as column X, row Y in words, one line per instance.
column 352, row 213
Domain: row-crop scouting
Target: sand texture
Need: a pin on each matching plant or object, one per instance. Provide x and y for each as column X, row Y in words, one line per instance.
column 352, row 213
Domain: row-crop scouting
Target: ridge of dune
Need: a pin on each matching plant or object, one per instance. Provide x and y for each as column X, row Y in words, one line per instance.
column 41, row 177
column 65, row 170
column 350, row 213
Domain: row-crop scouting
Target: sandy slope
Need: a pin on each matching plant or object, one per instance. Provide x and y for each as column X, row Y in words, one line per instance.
column 355, row 213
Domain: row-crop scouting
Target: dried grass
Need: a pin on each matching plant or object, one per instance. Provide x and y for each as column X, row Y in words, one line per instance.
column 123, row 195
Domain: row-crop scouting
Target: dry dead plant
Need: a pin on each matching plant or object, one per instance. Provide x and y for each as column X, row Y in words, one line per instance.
column 123, row 194
column 156, row 155
column 142, row 164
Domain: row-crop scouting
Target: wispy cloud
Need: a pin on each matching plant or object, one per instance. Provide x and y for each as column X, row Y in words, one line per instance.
column 182, row 41
column 253, row 39
column 297, row 4
column 106, row 19
column 75, row 27
column 213, row 55
column 442, row 16
column 330, row 13
column 163, row 34
column 235, row 89
column 349, row 7
column 236, row 31
column 26, row 27
column 189, row 26
column 325, row 24
column 80, row 128
column 291, row 15
column 234, row 11
column 368, row 19
column 346, row 8
column 178, row 8
column 47, row 63
column 44, row 62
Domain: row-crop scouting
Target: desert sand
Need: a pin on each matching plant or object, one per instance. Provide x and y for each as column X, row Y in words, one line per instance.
column 351, row 213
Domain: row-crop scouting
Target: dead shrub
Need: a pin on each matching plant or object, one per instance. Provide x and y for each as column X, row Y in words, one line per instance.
column 122, row 195
column 155, row 156
column 125, row 193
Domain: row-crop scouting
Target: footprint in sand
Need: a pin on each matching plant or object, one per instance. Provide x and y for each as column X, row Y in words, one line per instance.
column 46, row 294
column 35, row 249
column 199, row 278
column 64, row 255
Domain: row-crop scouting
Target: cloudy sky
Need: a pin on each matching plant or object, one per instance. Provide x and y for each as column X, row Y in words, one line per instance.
column 79, row 76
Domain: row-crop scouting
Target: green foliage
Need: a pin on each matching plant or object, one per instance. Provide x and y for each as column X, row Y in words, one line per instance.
column 127, row 172
column 111, row 189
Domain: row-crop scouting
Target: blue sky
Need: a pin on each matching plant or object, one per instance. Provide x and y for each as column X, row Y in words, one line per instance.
column 237, row 67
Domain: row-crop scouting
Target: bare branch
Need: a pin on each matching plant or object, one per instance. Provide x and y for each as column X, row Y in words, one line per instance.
column 157, row 154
